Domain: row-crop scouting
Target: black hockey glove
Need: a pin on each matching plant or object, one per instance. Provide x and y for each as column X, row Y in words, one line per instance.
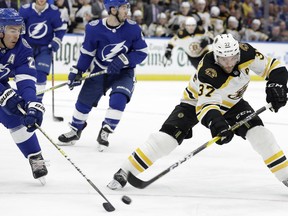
column 74, row 77
column 10, row 100
column 168, row 53
column 219, row 127
column 34, row 115
column 117, row 64
column 276, row 94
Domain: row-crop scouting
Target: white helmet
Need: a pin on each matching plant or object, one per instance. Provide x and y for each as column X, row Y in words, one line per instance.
column 190, row 21
column 225, row 45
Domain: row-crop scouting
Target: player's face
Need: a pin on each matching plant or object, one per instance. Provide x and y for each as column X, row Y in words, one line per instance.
column 11, row 37
column 41, row 2
column 228, row 63
column 123, row 12
column 190, row 28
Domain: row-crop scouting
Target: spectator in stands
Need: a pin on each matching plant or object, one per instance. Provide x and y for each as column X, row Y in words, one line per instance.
column 64, row 12
column 151, row 12
column 254, row 33
column 82, row 16
column 138, row 18
column 97, row 8
column 233, row 28
column 275, row 34
column 8, row 4
column 159, row 28
column 200, row 6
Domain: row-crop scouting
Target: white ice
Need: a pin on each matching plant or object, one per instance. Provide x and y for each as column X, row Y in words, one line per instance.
column 219, row 181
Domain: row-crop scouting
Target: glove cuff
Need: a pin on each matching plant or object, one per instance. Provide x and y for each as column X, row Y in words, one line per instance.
column 6, row 95
column 36, row 105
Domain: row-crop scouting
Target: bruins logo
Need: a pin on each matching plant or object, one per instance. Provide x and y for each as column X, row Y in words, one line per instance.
column 243, row 46
column 211, row 72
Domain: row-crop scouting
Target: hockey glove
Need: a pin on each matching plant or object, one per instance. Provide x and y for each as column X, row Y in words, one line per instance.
column 168, row 53
column 34, row 115
column 10, row 100
column 117, row 64
column 219, row 127
column 74, row 77
column 276, row 94
column 55, row 44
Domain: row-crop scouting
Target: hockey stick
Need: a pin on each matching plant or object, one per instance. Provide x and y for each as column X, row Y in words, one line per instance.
column 138, row 183
column 55, row 118
column 66, row 83
column 107, row 205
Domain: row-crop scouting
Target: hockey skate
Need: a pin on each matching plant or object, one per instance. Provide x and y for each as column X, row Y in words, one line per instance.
column 38, row 167
column 70, row 138
column 119, row 180
column 102, row 138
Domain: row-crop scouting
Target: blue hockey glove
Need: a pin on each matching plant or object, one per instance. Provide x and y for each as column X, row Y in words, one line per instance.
column 34, row 114
column 55, row 44
column 219, row 127
column 74, row 77
column 276, row 94
column 117, row 64
column 10, row 100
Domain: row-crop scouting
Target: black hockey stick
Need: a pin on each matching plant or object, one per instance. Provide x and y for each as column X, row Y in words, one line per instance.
column 55, row 118
column 107, row 205
column 138, row 183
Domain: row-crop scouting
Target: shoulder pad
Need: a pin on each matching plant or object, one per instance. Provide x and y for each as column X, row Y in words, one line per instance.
column 94, row 23
column 211, row 73
column 54, row 7
column 25, row 43
column 132, row 22
column 25, row 6
column 247, row 52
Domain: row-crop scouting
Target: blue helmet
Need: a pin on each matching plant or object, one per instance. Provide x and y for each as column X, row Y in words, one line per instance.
column 9, row 16
column 114, row 3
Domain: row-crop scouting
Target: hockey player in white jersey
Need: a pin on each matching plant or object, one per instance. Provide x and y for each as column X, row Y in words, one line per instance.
column 114, row 44
column 16, row 60
column 194, row 40
column 214, row 97
column 44, row 32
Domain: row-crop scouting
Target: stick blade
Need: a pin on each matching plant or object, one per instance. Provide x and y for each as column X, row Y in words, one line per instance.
column 108, row 207
column 136, row 182
column 58, row 118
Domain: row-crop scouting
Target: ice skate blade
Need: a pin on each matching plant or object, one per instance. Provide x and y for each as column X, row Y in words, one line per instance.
column 71, row 143
column 42, row 180
column 102, row 148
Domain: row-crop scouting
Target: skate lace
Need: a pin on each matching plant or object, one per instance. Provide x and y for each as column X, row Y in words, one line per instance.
column 70, row 134
column 104, row 135
column 38, row 164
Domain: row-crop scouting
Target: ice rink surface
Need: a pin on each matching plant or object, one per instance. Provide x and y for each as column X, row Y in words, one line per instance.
column 220, row 181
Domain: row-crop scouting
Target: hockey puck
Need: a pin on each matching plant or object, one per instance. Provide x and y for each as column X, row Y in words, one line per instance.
column 127, row 200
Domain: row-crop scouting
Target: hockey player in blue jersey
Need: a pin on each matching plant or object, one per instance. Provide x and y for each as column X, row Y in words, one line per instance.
column 117, row 45
column 44, row 32
column 16, row 60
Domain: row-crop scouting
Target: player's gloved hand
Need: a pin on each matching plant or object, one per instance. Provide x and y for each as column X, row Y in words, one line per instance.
column 204, row 42
column 168, row 53
column 55, row 44
column 276, row 94
column 34, row 115
column 10, row 100
column 74, row 77
column 117, row 64
column 219, row 127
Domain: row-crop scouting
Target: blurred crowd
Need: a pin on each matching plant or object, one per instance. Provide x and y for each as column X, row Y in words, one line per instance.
column 247, row 20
